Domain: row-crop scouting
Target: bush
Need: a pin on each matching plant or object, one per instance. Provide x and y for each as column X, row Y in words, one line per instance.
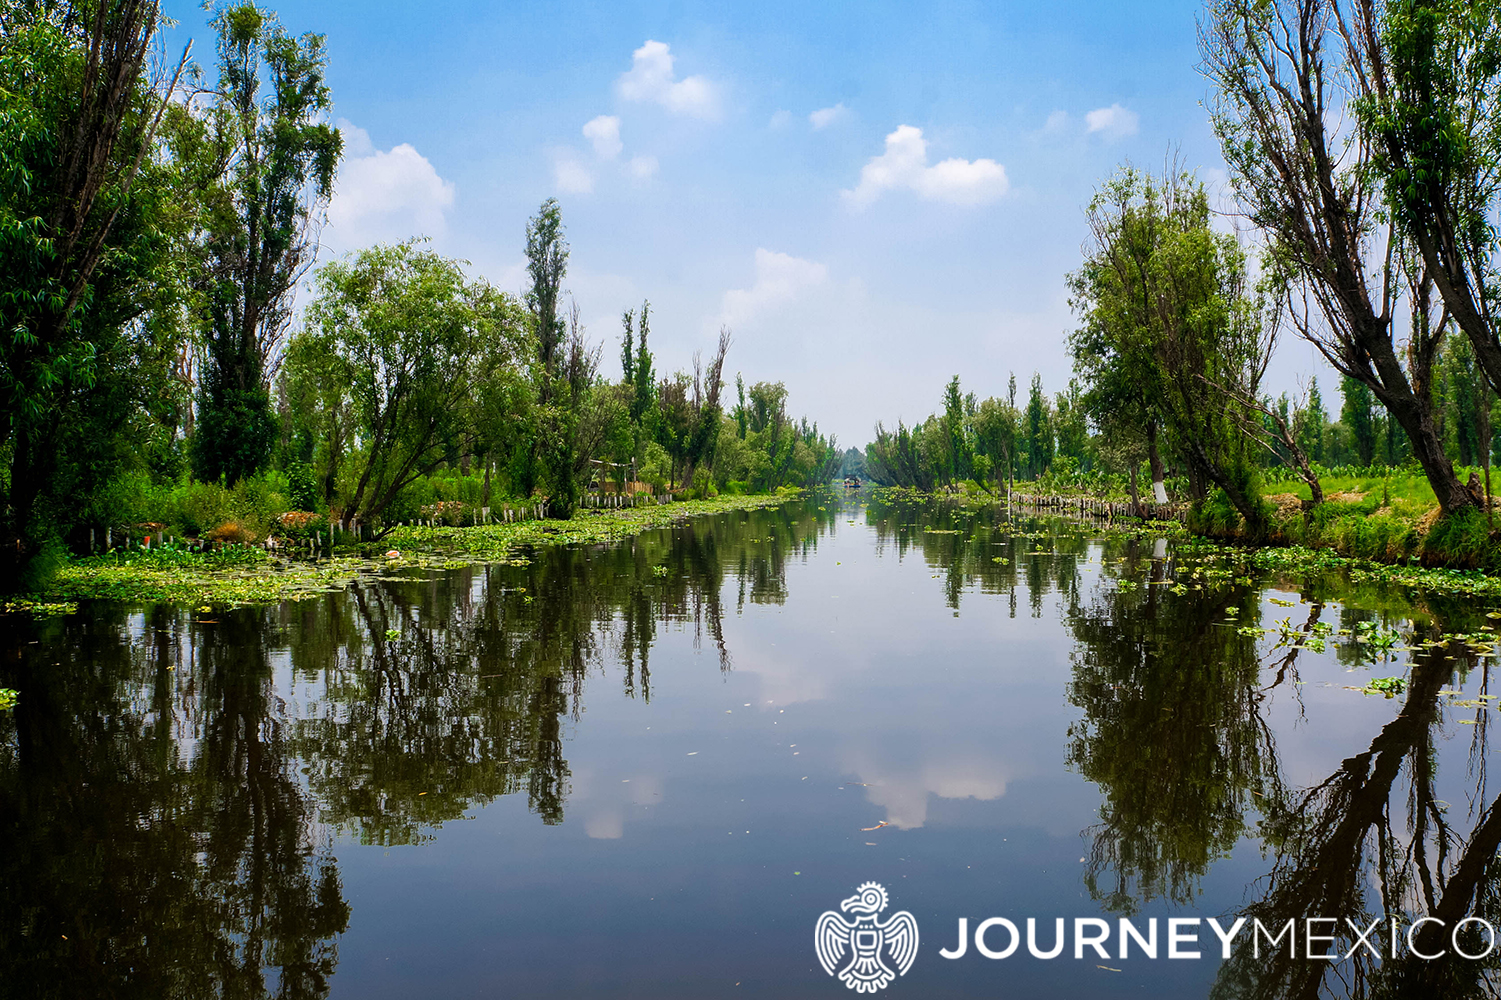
column 201, row 507
column 231, row 533
column 301, row 524
column 450, row 512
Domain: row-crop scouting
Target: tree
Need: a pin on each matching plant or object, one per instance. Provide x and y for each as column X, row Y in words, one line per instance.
column 274, row 159
column 400, row 337
column 1037, row 430
column 1171, row 326
column 1355, row 414
column 546, row 264
column 1428, row 96
column 997, row 428
column 85, row 230
column 958, row 459
column 1278, row 68
column 1310, row 423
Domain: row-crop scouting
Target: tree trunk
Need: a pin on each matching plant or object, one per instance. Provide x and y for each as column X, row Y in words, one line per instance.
column 1154, row 457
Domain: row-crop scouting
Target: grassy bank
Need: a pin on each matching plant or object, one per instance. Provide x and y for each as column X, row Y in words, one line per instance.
column 1391, row 519
column 247, row 575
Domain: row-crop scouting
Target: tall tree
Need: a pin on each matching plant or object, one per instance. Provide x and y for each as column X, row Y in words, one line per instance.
column 1171, row 326
column 275, row 158
column 1037, row 430
column 1281, row 69
column 81, row 229
column 1355, row 414
column 1428, row 87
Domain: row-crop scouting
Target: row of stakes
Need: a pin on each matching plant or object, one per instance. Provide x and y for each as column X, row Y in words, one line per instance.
column 507, row 515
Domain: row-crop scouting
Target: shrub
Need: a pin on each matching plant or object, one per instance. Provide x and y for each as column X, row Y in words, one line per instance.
column 300, row 524
column 449, row 512
column 231, row 533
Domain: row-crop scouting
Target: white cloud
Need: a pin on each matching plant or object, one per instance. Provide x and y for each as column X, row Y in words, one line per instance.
column 651, row 78
column 780, row 278
column 780, row 119
column 1057, row 122
column 571, row 177
column 824, row 117
column 1114, row 122
column 604, row 133
column 389, row 194
column 905, row 165
column 643, row 166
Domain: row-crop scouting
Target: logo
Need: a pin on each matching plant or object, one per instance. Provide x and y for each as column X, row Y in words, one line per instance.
column 867, row 940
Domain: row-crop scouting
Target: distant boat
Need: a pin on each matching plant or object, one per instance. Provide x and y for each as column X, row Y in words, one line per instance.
column 852, row 482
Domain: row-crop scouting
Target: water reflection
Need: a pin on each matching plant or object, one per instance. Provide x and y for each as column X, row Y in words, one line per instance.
column 174, row 785
column 157, row 841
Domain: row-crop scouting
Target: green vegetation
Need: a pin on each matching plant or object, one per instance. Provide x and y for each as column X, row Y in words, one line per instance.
column 238, row 575
column 1376, row 248
column 157, row 383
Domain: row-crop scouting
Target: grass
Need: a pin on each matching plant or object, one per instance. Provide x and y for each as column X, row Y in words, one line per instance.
column 243, row 575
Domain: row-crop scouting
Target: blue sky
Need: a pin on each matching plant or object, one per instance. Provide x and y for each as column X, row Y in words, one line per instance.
column 874, row 196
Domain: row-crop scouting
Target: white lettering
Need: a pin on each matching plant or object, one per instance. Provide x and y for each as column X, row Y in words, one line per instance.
column 1032, row 939
column 1414, row 948
column 1309, row 937
column 1224, row 935
column 1174, row 938
column 1490, row 933
column 963, row 941
column 1259, row 930
column 1149, row 946
column 997, row 922
column 1095, row 941
column 1363, row 937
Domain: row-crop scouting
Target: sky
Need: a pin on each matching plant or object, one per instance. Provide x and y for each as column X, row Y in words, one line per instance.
column 873, row 197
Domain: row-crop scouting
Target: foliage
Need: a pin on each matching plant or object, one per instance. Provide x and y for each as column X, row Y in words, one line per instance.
column 88, row 226
column 273, row 157
column 403, row 343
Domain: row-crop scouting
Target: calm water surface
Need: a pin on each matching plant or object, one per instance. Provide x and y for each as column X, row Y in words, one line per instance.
column 644, row 770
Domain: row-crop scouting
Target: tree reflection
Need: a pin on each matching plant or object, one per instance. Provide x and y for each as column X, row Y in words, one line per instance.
column 169, row 786
column 1373, row 842
column 1172, row 734
column 136, row 868
column 1174, row 698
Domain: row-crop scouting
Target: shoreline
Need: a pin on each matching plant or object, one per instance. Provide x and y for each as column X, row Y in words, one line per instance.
column 244, row 576
column 1279, row 555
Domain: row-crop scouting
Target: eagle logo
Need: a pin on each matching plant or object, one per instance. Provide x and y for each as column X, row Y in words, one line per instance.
column 868, row 940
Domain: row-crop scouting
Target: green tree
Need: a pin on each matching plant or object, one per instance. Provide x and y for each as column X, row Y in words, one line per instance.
column 1168, row 312
column 401, row 339
column 1278, row 69
column 1037, row 430
column 1356, row 414
column 996, row 430
column 1311, row 423
column 88, row 233
column 1428, row 96
column 274, row 157
column 958, row 461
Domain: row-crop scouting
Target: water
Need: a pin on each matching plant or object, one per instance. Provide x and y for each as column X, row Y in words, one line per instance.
column 644, row 770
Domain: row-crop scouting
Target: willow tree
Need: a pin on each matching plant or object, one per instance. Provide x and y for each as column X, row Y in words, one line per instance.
column 1171, row 329
column 1289, row 75
column 273, row 157
column 1430, row 100
column 398, row 338
column 82, row 188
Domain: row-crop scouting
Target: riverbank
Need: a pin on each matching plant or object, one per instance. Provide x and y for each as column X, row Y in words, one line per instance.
column 240, row 575
column 1388, row 543
column 1387, row 516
